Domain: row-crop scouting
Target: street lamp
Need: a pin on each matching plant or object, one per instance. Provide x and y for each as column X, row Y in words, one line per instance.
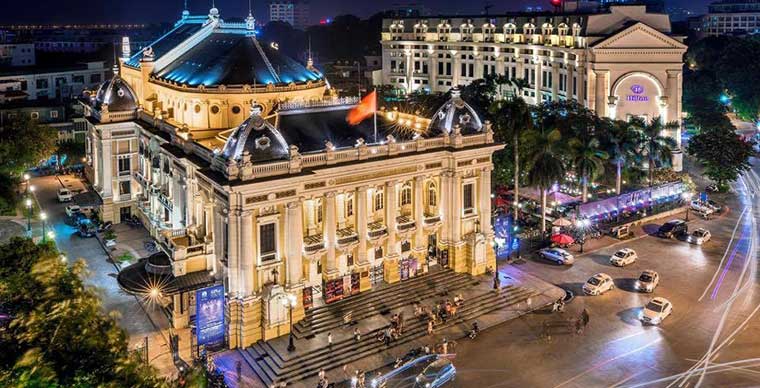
column 31, row 188
column 43, row 217
column 26, row 179
column 51, row 235
column 687, row 198
column 290, row 301
column 29, row 215
column 581, row 225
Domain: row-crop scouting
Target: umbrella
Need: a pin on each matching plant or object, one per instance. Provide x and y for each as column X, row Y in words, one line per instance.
column 501, row 202
column 562, row 239
column 562, row 222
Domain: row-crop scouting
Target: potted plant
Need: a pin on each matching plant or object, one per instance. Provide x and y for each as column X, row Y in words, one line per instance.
column 109, row 238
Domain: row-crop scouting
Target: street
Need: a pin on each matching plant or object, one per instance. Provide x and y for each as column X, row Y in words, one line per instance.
column 713, row 290
column 139, row 320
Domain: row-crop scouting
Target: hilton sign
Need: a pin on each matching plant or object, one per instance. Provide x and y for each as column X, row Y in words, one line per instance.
column 637, row 96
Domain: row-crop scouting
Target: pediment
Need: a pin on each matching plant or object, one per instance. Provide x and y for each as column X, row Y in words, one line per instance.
column 639, row 36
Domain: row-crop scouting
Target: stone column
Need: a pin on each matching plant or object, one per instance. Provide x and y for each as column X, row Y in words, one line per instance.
column 233, row 254
column 445, row 207
column 361, row 230
column 329, row 230
column 433, row 71
column 409, row 69
column 478, row 73
column 600, row 92
column 96, row 156
column 455, row 73
column 247, row 254
column 294, row 239
column 485, row 200
column 555, row 81
column 107, row 184
column 390, row 263
column 456, row 207
column 419, row 214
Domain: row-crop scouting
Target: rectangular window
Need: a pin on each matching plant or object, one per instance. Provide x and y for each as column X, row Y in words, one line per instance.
column 378, row 201
column 350, row 260
column 124, row 188
column 267, row 242
column 53, row 114
column 448, row 68
column 467, row 198
column 349, row 207
column 575, row 86
column 124, row 165
column 42, row 84
column 440, row 67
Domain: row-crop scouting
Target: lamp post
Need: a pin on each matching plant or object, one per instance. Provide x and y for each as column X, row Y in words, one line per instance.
column 687, row 198
column 290, row 302
column 581, row 225
column 26, row 179
column 29, row 215
column 43, row 217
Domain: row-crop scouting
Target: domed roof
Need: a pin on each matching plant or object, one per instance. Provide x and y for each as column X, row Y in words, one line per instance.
column 455, row 112
column 257, row 136
column 228, row 58
column 117, row 94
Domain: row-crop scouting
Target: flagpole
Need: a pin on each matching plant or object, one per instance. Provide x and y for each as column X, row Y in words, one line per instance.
column 375, row 115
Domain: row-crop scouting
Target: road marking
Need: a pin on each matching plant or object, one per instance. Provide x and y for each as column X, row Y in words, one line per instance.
column 628, row 336
column 626, row 354
column 728, row 247
column 714, row 368
column 625, row 380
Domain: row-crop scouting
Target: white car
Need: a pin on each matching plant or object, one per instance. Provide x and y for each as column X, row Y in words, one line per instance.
column 598, row 284
column 71, row 210
column 648, row 281
column 557, row 255
column 701, row 207
column 656, row 311
column 700, row 236
column 623, row 257
column 64, row 195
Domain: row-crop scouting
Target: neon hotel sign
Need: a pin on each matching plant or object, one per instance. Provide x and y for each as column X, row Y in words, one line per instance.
column 637, row 95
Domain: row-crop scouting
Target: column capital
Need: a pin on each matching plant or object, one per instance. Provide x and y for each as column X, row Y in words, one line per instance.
column 294, row 204
column 362, row 189
column 330, row 194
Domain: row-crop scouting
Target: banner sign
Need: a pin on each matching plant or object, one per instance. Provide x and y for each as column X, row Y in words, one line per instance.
column 209, row 315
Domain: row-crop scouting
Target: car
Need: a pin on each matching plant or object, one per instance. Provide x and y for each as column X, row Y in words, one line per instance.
column 72, row 210
column 557, row 255
column 86, row 228
column 701, row 207
column 623, row 257
column 656, row 311
column 648, row 281
column 598, row 284
column 713, row 205
column 64, row 195
column 673, row 228
column 700, row 236
column 436, row 374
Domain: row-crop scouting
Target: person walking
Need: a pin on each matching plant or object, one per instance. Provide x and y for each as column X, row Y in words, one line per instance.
column 321, row 374
column 239, row 369
column 445, row 346
column 585, row 317
column 430, row 327
column 357, row 335
column 329, row 340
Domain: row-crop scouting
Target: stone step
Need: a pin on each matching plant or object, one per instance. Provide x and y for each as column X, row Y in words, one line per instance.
column 348, row 303
column 308, row 364
column 401, row 298
column 266, row 377
column 304, row 370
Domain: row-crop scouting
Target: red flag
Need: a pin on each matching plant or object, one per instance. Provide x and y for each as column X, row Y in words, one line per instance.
column 366, row 108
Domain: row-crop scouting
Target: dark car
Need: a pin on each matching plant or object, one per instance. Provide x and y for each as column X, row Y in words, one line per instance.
column 86, row 228
column 673, row 228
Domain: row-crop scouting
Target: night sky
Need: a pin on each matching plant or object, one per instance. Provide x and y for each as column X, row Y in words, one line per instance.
column 140, row 11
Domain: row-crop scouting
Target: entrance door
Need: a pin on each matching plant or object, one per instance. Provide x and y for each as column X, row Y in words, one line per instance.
column 125, row 214
column 432, row 249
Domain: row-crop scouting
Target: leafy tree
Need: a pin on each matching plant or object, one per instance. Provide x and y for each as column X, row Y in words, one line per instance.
column 723, row 154
column 588, row 160
column 546, row 166
column 656, row 147
column 58, row 333
column 511, row 118
column 621, row 139
column 23, row 143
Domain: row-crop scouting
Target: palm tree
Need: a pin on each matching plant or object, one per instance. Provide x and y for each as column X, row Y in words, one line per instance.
column 519, row 84
column 546, row 167
column 622, row 139
column 512, row 118
column 656, row 147
column 588, row 160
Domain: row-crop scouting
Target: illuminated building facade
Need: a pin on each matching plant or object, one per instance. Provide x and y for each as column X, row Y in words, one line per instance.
column 621, row 62
column 290, row 203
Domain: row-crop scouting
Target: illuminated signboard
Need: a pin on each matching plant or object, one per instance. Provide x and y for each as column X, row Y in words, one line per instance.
column 637, row 95
column 209, row 315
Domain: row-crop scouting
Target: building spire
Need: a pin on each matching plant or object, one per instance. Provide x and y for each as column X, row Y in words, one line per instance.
column 250, row 22
column 310, row 60
column 185, row 11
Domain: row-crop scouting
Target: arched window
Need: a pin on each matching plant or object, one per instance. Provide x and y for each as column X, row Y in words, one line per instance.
column 488, row 31
column 529, row 29
column 406, row 195
column 397, row 29
column 444, row 28
column 509, row 28
column 546, row 29
column 562, row 29
column 576, row 29
column 379, row 200
column 432, row 195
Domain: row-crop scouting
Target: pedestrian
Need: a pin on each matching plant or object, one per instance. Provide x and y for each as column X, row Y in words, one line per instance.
column 430, row 327
column 454, row 310
column 239, row 369
column 445, row 346
column 585, row 317
column 496, row 282
column 321, row 374
column 329, row 339
column 357, row 335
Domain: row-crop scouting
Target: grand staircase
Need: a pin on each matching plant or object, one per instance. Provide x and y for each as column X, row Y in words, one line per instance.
column 275, row 366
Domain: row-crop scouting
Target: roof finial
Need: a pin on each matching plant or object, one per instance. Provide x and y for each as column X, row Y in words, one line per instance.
column 310, row 60
column 213, row 13
column 250, row 22
column 185, row 11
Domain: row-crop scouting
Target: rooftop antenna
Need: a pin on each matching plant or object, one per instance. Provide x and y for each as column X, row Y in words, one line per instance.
column 310, row 60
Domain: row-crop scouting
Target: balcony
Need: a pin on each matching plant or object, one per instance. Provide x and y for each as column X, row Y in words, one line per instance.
column 180, row 245
column 377, row 230
column 405, row 224
column 164, row 199
column 432, row 221
column 314, row 244
column 347, row 237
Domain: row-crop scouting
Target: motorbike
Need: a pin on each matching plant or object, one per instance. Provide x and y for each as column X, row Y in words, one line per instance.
column 474, row 331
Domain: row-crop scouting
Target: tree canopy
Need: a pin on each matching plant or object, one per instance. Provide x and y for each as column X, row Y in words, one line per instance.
column 723, row 153
column 23, row 143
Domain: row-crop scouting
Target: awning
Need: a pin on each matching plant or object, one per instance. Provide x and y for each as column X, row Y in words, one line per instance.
column 155, row 273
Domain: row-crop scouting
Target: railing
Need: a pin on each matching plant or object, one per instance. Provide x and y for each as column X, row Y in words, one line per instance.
column 313, row 244
column 404, row 223
column 270, row 168
column 247, row 89
column 295, row 105
column 165, row 201
column 377, row 230
column 430, row 220
column 347, row 236
column 181, row 232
